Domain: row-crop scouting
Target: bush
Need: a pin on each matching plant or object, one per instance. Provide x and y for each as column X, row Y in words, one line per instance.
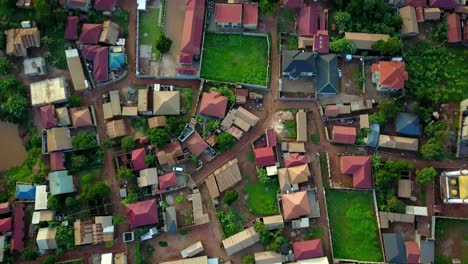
column 78, row 162
column 163, row 244
column 262, row 176
column 126, row 173
column 75, row 100
column 425, row 175
column 158, row 136
column 179, row 199
column 434, row 149
column 118, row 219
column 29, row 253
column 230, row 197
column 231, row 222
column 396, row 206
column 5, row 65
column 225, row 141
column 342, row 46
column 132, row 197
column 163, row 44
column 272, row 240
column 96, row 191
column 54, row 204
column 65, row 238
column 150, row 160
column 87, row 178
column 128, row 143
column 249, row 259
column 84, row 140
column 49, row 260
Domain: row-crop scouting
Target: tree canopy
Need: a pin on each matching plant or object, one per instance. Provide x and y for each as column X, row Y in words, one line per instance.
column 342, row 46
column 158, row 136
column 225, row 141
column 391, row 47
column 425, row 176
column 128, row 143
column 13, row 100
column 85, row 139
column 434, row 149
column 164, row 44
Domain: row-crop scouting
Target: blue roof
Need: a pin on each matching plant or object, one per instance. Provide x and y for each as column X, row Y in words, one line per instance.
column 373, row 135
column 395, row 250
column 427, row 251
column 25, row 191
column 116, row 60
column 408, row 124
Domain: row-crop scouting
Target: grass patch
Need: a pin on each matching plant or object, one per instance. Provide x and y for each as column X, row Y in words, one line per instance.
column 187, row 97
column 315, row 138
column 286, row 19
column 455, row 230
column 324, row 169
column 292, row 42
column 250, row 157
column 231, row 221
column 353, row 225
column 150, row 30
column 235, row 58
column 262, row 198
column 290, row 128
column 314, row 233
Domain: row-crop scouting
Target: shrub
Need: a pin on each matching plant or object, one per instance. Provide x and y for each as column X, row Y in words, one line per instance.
column 230, row 197
column 163, row 244
column 75, row 101
column 425, row 175
column 49, row 260
column 396, row 206
column 87, row 178
column 225, row 141
column 132, row 197
column 118, row 219
column 125, row 173
column 84, row 140
column 29, row 253
column 179, row 199
column 163, row 44
column 128, row 143
column 262, row 176
column 249, row 259
column 150, row 160
column 158, row 136
column 78, row 162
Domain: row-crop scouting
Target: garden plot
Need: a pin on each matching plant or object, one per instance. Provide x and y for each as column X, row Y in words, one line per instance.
column 451, row 240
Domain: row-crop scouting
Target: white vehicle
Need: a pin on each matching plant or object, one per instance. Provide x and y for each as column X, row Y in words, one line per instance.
column 150, row 234
column 178, row 169
column 339, row 72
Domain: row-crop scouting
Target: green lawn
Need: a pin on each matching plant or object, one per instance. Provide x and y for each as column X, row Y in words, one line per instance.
column 235, row 58
column 150, row 30
column 451, row 232
column 353, row 225
column 262, row 198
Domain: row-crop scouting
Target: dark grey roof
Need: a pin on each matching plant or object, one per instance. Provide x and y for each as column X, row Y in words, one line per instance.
column 373, row 135
column 327, row 78
column 296, row 61
column 395, row 250
column 426, row 251
column 170, row 219
column 408, row 124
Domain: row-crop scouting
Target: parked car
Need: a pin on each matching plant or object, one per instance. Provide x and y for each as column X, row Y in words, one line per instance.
column 178, row 169
column 150, row 234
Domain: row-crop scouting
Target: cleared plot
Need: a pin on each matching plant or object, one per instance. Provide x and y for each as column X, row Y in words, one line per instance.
column 235, row 58
column 353, row 225
column 451, row 240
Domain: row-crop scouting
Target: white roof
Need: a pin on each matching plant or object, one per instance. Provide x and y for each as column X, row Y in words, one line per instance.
column 107, row 258
column 48, row 91
column 416, row 210
column 272, row 170
column 321, row 260
column 42, row 216
column 41, row 197
column 141, row 4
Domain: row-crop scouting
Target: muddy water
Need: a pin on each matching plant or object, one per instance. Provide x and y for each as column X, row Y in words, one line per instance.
column 12, row 152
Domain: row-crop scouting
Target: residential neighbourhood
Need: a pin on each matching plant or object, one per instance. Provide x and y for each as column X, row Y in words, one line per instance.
column 234, row 131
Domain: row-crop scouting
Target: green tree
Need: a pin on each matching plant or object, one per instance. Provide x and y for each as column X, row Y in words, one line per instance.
column 262, row 176
column 54, row 204
column 78, row 162
column 395, row 205
column 158, row 136
column 128, row 143
column 212, row 125
column 125, row 173
column 72, row 204
column 163, row 44
column 49, row 260
column 87, row 178
column 267, row 7
column 65, row 238
column 118, row 219
column 433, row 150
column 29, row 253
column 85, row 139
column 230, row 197
column 43, row 12
column 96, row 191
column 14, row 108
column 150, row 160
column 391, row 47
column 132, row 197
column 106, row 144
column 342, row 20
column 225, row 141
column 425, row 176
column 438, row 129
column 75, row 100
column 376, row 161
column 248, row 259
column 5, row 65
column 342, row 46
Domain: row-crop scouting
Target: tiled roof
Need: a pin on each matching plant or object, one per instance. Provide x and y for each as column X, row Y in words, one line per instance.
column 308, row 21
column 250, row 15
column 56, row 161
column 295, row 159
column 17, row 242
column 213, row 104
column 47, row 116
column 443, row 4
column 228, row 13
column 307, row 249
column 142, row 213
column 360, row 168
column 90, row 33
column 454, row 28
column 412, row 252
column 5, row 225
column 392, row 73
column 81, row 118
column 295, row 205
column 193, row 29
column 196, row 144
column 344, row 135
column 293, row 3
column 168, row 180
column 71, row 28
column 138, row 159
column 104, row 4
column 264, row 157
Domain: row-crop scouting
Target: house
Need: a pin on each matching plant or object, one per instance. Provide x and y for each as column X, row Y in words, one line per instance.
column 148, row 177
column 408, row 124
column 320, row 43
column 25, row 191
column 192, row 32
column 83, row 232
column 268, row 257
column 213, row 104
column 264, row 157
column 410, row 23
column 295, row 205
column 365, row 41
column 390, row 76
column 273, row 222
column 109, row 33
column 49, row 91
column 412, row 252
column 17, row 243
column 228, row 16
column 5, row 225
column 308, row 21
column 47, row 116
column 167, row 181
column 46, row 238
column 293, row 4
column 75, row 66
column 4, row 208
column 195, row 260
column 42, row 216
column 443, row 4
column 105, row 5
column 360, row 168
column 240, row 241
column 296, row 64
column 327, row 80
column 81, row 117
column 142, row 213
column 166, row 103
column 344, row 135
column 416, row 3
column 241, row 118
column 57, row 139
column 295, row 159
column 90, row 33
column 35, row 67
column 395, row 142
column 250, row 16
column 129, row 111
column 394, row 246
column 301, row 126
column 82, row 5
column 19, row 40
column 143, row 102
column 270, row 137
column 71, row 28
column 60, row 182
column 116, row 128
column 454, row 33
column 138, row 159
column 228, row 175
column 432, row 13
column 307, row 249
column 299, row 174
column 40, row 200
column 196, row 144
column 100, row 57
column 192, row 250
column 115, row 103
column 94, row 230
column 171, row 154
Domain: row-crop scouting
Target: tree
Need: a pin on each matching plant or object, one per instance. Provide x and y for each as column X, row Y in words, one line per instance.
column 106, row 144
column 150, row 160
column 85, row 139
column 65, row 238
column 54, row 204
column 118, row 219
column 132, row 197
column 376, row 161
column 14, row 108
column 230, row 197
column 75, row 100
column 342, row 46
column 391, row 47
column 43, row 12
column 5, row 65
column 342, row 20
column 87, row 178
column 78, row 162
column 396, row 206
column 212, row 125
column 49, row 260
column 92, row 192
column 225, row 141
column 388, row 109
column 262, row 176
column 433, row 150
column 29, row 253
column 267, row 7
column 158, row 136
column 425, row 176
column 438, row 130
column 128, row 143
column 163, row 44
column 72, row 204
column 125, row 173
column 249, row 259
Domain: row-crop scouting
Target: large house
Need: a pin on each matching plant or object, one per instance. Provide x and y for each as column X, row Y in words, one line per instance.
column 360, row 168
column 228, row 16
column 49, row 91
column 327, row 80
column 312, row 30
column 296, row 64
column 100, row 57
column 21, row 39
column 213, row 104
column 166, row 103
column 190, row 45
column 295, row 205
column 390, row 76
column 142, row 213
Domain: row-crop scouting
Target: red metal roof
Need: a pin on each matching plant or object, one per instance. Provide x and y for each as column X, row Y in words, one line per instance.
column 308, row 21
column 443, row 4
column 196, row 144
column 416, row 3
column 295, row 159
column 193, row 29
column 168, row 180
column 101, row 65
column 332, row 110
column 392, row 73
column 271, row 137
column 250, row 15
column 90, row 33
column 143, row 140
column 4, row 208
column 228, row 13
column 344, row 135
column 17, row 242
column 142, row 213
column 293, row 3
column 89, row 51
column 47, row 116
column 454, row 28
column 71, row 28
column 321, row 42
column 264, row 157
column 307, row 249
column 5, row 225
column 360, row 168
column 412, row 252
column 104, row 4
column 138, row 159
column 56, row 161
column 213, row 104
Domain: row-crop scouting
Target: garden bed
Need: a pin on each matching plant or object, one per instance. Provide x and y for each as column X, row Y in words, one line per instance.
column 451, row 240
column 235, row 58
column 353, row 226
column 262, row 198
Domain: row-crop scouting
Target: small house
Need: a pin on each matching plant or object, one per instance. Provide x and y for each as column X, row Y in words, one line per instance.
column 394, row 247
column 213, row 104
column 167, row 181
column 408, row 124
column 240, row 241
column 60, row 182
column 250, row 16
column 192, row 33
column 116, row 128
column 192, row 250
column 228, row 16
column 71, row 28
column 365, row 41
column 171, row 154
column 47, row 116
column 390, row 76
column 360, row 168
column 264, row 157
column 35, row 67
column 142, row 213
column 57, row 139
column 75, row 66
column 19, row 40
column 410, row 23
column 344, row 135
column 454, row 33
column 138, row 159
column 46, row 238
column 307, row 249
column 109, row 33
column 81, row 117
column 166, row 103
column 295, row 205
column 148, row 177
column 90, row 33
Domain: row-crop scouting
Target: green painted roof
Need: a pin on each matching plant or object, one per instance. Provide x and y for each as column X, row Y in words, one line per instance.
column 327, row 80
column 60, row 182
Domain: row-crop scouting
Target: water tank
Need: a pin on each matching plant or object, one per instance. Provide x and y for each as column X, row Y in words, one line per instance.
column 454, row 192
column 453, row 182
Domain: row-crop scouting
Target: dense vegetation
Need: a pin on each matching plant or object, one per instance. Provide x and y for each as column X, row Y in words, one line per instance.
column 271, row 239
column 231, row 221
column 13, row 101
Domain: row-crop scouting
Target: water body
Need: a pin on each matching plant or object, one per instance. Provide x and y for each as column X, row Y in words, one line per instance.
column 12, row 151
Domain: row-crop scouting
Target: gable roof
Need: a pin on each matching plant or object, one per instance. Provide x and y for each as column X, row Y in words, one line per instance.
column 75, row 68
column 71, row 28
column 295, row 205
column 196, row 144
column 264, row 157
column 148, row 177
column 100, row 57
column 81, row 117
column 60, row 182
column 47, row 116
column 268, row 257
column 228, row 13
column 142, row 213
column 213, row 104
column 240, row 241
column 193, row 29
column 408, row 124
column 396, row 142
column 166, row 103
column 138, row 159
column 299, row 174
column 270, row 137
column 307, row 249
column 344, row 135
column 116, row 128
column 454, row 28
column 443, row 4
column 416, row 3
column 228, row 175
column 25, row 191
column 90, row 33
column 365, row 40
column 4, row 208
column 17, row 242
column 410, row 23
column 109, row 33
column 295, row 62
column 412, row 252
column 5, row 225
column 391, row 73
column 308, row 21
column 295, row 159
column 360, row 168
column 293, row 3
column 394, row 248
column 250, row 14
column 170, row 153
column 104, row 4
column 167, row 181
column 327, row 81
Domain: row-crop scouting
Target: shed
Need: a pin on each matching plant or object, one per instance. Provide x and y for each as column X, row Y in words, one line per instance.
column 268, row 257
column 46, row 238
column 272, row 170
column 42, row 216
column 115, row 102
column 192, row 250
column 432, row 13
column 301, row 126
column 410, row 24
column 107, row 109
column 143, row 100
column 212, row 186
column 364, row 121
column 416, row 210
column 293, row 147
column 148, row 177
column 157, row 121
column 130, row 111
column 240, row 241
column 40, row 202
column 228, row 175
column 247, row 116
column 404, row 188
column 273, row 222
column 116, row 128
